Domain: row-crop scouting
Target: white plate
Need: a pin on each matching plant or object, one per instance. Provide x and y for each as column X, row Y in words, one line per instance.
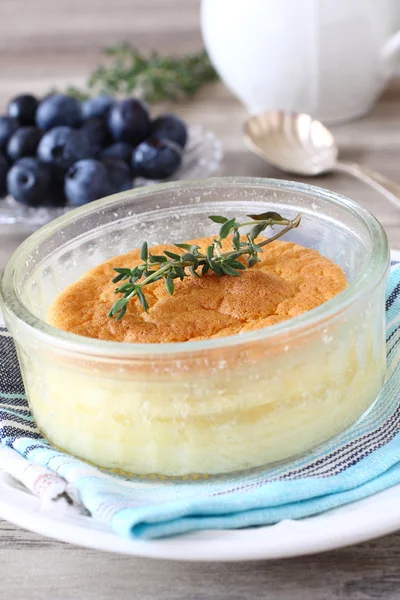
column 202, row 157
column 350, row 524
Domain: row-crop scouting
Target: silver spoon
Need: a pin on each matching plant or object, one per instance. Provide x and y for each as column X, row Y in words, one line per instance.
column 299, row 144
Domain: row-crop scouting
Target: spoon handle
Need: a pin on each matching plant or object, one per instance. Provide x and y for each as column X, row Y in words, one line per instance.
column 390, row 189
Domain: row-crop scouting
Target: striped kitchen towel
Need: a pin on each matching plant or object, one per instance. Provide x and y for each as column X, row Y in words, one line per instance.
column 360, row 462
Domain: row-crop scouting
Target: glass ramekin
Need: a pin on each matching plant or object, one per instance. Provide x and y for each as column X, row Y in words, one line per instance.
column 205, row 407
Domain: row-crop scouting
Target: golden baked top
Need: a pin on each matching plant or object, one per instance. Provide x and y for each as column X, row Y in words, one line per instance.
column 289, row 280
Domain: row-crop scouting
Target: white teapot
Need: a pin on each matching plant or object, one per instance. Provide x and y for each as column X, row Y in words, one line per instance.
column 328, row 58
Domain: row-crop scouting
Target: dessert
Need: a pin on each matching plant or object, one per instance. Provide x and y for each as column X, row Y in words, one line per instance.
column 226, row 424
column 206, row 375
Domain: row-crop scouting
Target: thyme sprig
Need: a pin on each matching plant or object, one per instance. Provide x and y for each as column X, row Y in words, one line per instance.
column 171, row 265
column 152, row 77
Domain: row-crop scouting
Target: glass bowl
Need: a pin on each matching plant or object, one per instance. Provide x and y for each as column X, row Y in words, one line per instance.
column 202, row 158
column 212, row 406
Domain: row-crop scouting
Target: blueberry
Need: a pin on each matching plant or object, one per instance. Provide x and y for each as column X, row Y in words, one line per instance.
column 29, row 182
column 61, row 147
column 129, row 121
column 23, row 108
column 99, row 106
column 58, row 110
column 119, row 151
column 156, row 159
column 120, row 175
column 7, row 127
column 87, row 180
column 96, row 131
column 3, row 175
column 169, row 127
column 23, row 142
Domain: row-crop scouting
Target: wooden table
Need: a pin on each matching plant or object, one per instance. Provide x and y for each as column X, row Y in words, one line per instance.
column 46, row 43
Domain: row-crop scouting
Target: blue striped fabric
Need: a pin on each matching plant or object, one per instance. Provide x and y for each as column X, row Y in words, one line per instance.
column 362, row 461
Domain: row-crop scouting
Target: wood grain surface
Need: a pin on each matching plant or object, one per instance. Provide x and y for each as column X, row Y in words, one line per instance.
column 54, row 42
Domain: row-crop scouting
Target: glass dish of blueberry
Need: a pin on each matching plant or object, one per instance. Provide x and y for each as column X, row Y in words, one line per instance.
column 59, row 153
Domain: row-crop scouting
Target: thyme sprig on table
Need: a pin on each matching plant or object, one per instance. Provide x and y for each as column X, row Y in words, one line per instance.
column 151, row 77
column 171, row 265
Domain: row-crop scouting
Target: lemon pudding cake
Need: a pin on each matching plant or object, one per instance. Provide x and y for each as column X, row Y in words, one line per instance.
column 223, row 398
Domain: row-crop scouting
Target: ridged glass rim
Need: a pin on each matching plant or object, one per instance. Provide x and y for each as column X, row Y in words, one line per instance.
column 372, row 275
